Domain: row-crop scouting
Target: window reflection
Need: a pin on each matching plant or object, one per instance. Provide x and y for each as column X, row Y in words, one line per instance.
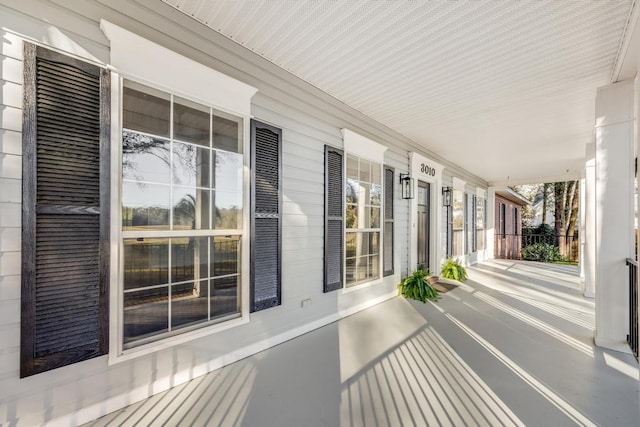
column 145, row 206
column 189, row 259
column 363, row 199
column 191, row 122
column 189, row 303
column 191, row 209
column 225, row 134
column 145, row 109
column 146, row 262
column 224, row 296
column 458, row 222
column 228, row 171
column 176, row 186
column 352, row 190
column 365, row 170
column 225, row 256
column 228, row 210
column 191, row 165
column 376, row 191
column 145, row 313
column 145, row 158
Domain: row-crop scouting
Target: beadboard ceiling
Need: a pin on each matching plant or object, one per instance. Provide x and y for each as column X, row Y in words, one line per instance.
column 505, row 89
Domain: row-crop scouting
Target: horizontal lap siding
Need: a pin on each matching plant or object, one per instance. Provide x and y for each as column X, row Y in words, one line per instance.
column 309, row 120
column 400, row 162
column 303, row 197
column 10, row 206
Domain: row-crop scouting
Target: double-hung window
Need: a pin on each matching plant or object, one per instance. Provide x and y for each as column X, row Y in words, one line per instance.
column 480, row 218
column 182, row 209
column 362, row 220
column 458, row 223
column 355, row 201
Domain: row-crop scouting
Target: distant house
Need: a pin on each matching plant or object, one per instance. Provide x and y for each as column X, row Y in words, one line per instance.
column 508, row 223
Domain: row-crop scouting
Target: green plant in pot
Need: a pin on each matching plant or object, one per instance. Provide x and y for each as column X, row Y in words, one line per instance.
column 452, row 269
column 419, row 286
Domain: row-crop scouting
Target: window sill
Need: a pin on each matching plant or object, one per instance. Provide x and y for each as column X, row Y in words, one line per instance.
column 169, row 342
column 362, row 285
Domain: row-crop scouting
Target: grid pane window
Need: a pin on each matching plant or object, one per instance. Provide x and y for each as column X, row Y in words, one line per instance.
column 458, row 222
column 182, row 183
column 480, row 224
column 363, row 197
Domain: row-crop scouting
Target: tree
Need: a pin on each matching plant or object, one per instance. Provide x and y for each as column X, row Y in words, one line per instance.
column 566, row 213
column 531, row 192
column 545, row 200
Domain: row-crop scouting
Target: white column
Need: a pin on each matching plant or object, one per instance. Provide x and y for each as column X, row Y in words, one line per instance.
column 581, row 231
column 614, row 174
column 589, row 208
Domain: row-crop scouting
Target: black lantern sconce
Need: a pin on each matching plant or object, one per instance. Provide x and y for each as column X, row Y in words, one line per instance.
column 446, row 196
column 406, row 182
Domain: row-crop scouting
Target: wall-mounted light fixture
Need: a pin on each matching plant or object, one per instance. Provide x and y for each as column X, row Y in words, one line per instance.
column 446, row 196
column 407, row 186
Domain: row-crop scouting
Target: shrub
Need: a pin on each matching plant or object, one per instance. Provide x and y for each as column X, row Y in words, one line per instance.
column 416, row 286
column 542, row 252
column 452, row 269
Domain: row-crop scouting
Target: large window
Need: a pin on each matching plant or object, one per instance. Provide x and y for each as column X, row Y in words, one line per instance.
column 362, row 220
column 480, row 219
column 458, row 223
column 502, row 226
column 182, row 209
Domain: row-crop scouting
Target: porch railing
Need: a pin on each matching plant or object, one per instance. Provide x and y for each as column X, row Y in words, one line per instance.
column 509, row 246
column 632, row 338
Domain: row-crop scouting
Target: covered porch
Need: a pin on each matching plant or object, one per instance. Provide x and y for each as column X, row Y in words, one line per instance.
column 511, row 346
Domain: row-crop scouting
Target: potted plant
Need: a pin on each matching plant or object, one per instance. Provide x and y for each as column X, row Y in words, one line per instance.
column 419, row 286
column 452, row 269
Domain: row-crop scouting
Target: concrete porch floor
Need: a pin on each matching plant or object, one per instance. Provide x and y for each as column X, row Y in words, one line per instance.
column 512, row 346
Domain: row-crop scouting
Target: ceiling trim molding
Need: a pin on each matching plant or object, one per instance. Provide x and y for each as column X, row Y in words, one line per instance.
column 572, row 176
column 625, row 41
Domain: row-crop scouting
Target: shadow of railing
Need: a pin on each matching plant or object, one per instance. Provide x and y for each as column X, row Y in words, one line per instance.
column 217, row 399
column 422, row 381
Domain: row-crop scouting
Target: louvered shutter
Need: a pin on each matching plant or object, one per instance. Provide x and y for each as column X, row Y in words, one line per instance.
column 388, row 220
column 65, row 222
column 333, row 219
column 467, row 240
column 266, row 215
column 474, row 222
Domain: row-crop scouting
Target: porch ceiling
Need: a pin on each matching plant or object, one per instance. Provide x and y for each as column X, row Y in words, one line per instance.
column 504, row 89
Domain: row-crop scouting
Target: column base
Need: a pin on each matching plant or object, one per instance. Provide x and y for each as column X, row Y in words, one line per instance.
column 611, row 344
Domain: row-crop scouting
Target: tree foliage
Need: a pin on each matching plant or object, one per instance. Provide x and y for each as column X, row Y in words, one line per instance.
column 544, row 252
column 566, row 212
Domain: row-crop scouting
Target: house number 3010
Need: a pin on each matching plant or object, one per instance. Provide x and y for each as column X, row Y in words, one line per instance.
column 427, row 170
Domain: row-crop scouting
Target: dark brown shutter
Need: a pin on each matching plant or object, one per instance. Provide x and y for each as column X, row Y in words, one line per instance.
column 65, row 222
column 333, row 219
column 388, row 220
column 266, row 216
column 474, row 222
column 465, row 233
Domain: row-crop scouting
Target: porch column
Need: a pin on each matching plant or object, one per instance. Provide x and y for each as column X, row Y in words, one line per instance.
column 614, row 215
column 589, row 232
column 581, row 232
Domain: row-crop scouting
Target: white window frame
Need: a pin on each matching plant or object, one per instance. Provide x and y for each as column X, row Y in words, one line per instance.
column 480, row 223
column 462, row 249
column 367, row 149
column 142, row 61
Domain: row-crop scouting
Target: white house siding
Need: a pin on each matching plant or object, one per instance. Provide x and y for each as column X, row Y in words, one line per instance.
column 309, row 119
